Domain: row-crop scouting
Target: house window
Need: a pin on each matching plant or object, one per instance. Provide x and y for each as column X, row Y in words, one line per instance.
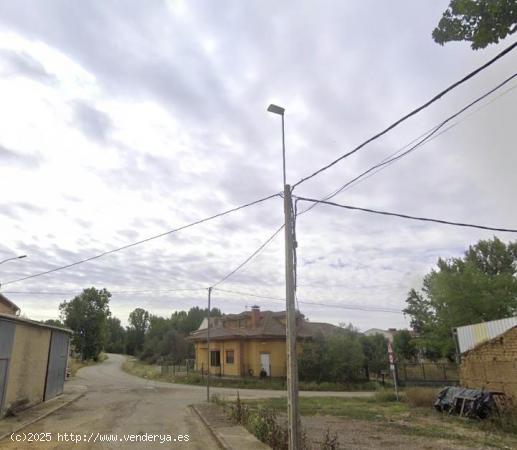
column 230, row 357
column 215, row 358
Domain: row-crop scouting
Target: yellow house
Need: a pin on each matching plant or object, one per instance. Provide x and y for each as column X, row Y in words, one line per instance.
column 250, row 343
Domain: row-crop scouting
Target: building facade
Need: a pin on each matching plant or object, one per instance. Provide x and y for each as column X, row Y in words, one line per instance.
column 33, row 361
column 492, row 365
column 252, row 343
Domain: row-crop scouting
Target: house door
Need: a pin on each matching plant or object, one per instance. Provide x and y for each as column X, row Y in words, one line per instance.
column 264, row 363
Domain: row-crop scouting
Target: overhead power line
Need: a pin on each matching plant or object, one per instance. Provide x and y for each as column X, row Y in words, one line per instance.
column 406, row 216
column 249, row 258
column 183, row 227
column 410, row 114
column 78, row 292
column 314, row 303
column 420, row 141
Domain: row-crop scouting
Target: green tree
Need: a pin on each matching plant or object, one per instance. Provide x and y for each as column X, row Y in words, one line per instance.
column 481, row 22
column 404, row 346
column 54, row 322
column 138, row 324
column 479, row 287
column 116, row 342
column 87, row 315
column 336, row 358
column 375, row 350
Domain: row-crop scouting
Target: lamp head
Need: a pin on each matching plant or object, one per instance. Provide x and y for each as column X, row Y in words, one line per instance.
column 275, row 109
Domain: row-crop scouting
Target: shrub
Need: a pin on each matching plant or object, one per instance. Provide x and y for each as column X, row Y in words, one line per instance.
column 385, row 396
column 505, row 420
column 421, row 396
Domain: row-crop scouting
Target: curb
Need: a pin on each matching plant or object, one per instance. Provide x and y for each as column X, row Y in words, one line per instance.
column 45, row 414
column 217, row 436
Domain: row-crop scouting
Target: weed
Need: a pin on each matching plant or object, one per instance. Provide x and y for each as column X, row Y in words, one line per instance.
column 421, row 396
column 330, row 442
column 385, row 396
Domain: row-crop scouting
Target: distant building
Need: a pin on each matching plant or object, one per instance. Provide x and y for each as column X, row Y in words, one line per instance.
column 251, row 342
column 388, row 334
column 7, row 306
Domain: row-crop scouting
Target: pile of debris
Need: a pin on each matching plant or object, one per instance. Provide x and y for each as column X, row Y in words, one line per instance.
column 475, row 403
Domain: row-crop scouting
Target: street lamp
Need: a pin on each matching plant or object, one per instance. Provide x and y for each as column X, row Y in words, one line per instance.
column 275, row 109
column 293, row 413
column 16, row 257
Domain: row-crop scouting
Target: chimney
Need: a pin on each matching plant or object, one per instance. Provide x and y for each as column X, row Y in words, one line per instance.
column 255, row 316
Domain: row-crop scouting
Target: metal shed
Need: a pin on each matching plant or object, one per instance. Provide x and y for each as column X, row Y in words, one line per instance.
column 33, row 360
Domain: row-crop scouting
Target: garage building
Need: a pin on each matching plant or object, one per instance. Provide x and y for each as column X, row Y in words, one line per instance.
column 33, row 361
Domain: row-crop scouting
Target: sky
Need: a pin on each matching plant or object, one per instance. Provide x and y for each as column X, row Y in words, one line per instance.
column 123, row 120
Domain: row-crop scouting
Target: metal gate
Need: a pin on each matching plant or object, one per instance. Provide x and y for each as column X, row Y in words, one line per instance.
column 6, row 344
column 56, row 369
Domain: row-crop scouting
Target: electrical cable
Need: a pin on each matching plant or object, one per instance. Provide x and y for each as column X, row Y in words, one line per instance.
column 312, row 303
column 143, row 291
column 410, row 114
column 406, row 216
column 249, row 258
column 183, row 227
column 423, row 139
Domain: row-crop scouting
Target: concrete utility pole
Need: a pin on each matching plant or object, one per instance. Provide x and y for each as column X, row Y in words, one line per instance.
column 208, row 347
column 293, row 413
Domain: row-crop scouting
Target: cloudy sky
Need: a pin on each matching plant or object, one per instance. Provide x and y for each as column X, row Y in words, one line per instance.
column 120, row 120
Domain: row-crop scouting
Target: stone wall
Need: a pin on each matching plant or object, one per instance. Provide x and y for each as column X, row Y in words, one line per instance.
column 492, row 365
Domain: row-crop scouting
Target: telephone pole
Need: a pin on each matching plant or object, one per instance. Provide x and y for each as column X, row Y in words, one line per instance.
column 293, row 413
column 208, row 347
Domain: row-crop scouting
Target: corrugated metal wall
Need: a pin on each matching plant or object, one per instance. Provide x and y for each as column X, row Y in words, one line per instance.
column 471, row 335
column 56, row 371
column 6, row 345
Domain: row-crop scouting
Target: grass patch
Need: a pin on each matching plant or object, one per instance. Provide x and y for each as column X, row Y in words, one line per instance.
column 401, row 417
column 353, row 408
column 75, row 364
column 421, row 396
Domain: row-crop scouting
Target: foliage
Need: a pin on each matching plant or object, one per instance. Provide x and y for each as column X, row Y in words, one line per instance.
column 338, row 358
column 87, row 315
column 116, row 336
column 479, row 287
column 263, row 423
column 481, row 22
column 375, row 349
column 163, row 342
column 405, row 346
column 138, row 325
column 54, row 322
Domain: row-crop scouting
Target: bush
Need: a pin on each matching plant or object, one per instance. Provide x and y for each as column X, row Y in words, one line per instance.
column 385, row 396
column 421, row 396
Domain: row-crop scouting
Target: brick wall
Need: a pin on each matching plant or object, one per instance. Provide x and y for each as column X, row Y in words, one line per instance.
column 492, row 365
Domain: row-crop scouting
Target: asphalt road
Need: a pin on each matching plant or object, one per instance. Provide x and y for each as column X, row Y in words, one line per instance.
column 122, row 405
